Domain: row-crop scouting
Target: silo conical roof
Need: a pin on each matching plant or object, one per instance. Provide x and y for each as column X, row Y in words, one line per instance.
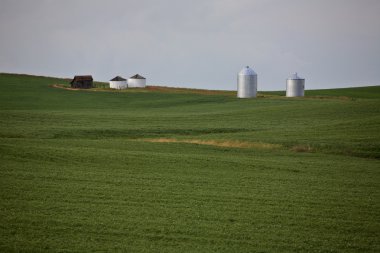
column 295, row 77
column 118, row 78
column 137, row 76
column 247, row 71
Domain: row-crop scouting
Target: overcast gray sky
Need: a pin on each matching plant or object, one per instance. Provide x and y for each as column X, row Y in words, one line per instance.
column 195, row 43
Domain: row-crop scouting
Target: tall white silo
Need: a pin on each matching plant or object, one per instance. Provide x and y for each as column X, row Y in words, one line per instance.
column 136, row 81
column 247, row 83
column 295, row 86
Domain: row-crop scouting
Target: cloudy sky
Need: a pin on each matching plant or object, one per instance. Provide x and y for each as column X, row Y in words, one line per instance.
column 197, row 43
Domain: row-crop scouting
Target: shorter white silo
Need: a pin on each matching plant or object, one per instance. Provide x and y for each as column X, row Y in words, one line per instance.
column 295, row 86
column 136, row 81
column 118, row 83
column 247, row 83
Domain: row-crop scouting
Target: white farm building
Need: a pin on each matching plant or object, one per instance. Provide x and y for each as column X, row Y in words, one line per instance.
column 118, row 83
column 136, row 81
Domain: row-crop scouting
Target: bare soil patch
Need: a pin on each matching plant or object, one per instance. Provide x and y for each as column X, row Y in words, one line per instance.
column 302, row 148
column 162, row 89
column 218, row 143
column 60, row 86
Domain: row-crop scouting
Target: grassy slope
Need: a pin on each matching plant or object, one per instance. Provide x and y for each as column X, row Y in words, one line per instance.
column 75, row 176
column 356, row 92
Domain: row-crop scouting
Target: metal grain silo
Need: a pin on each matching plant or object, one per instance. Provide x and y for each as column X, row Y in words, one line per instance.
column 247, row 83
column 295, row 86
column 118, row 83
column 136, row 81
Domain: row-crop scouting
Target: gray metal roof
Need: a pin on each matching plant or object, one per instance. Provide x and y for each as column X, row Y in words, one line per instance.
column 295, row 77
column 247, row 71
column 118, row 78
column 137, row 76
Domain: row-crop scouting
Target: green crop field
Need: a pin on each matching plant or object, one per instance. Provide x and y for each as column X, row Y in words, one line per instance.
column 180, row 171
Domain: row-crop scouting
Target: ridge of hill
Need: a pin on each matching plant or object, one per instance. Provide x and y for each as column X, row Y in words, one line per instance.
column 352, row 92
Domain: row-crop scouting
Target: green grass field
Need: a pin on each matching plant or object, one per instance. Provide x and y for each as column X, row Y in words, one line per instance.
column 80, row 171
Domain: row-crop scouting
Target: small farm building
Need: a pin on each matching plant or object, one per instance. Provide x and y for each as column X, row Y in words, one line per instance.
column 246, row 83
column 118, row 83
column 82, row 82
column 136, row 81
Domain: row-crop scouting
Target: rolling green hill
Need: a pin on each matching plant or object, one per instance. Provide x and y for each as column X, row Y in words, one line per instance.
column 181, row 170
column 356, row 92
